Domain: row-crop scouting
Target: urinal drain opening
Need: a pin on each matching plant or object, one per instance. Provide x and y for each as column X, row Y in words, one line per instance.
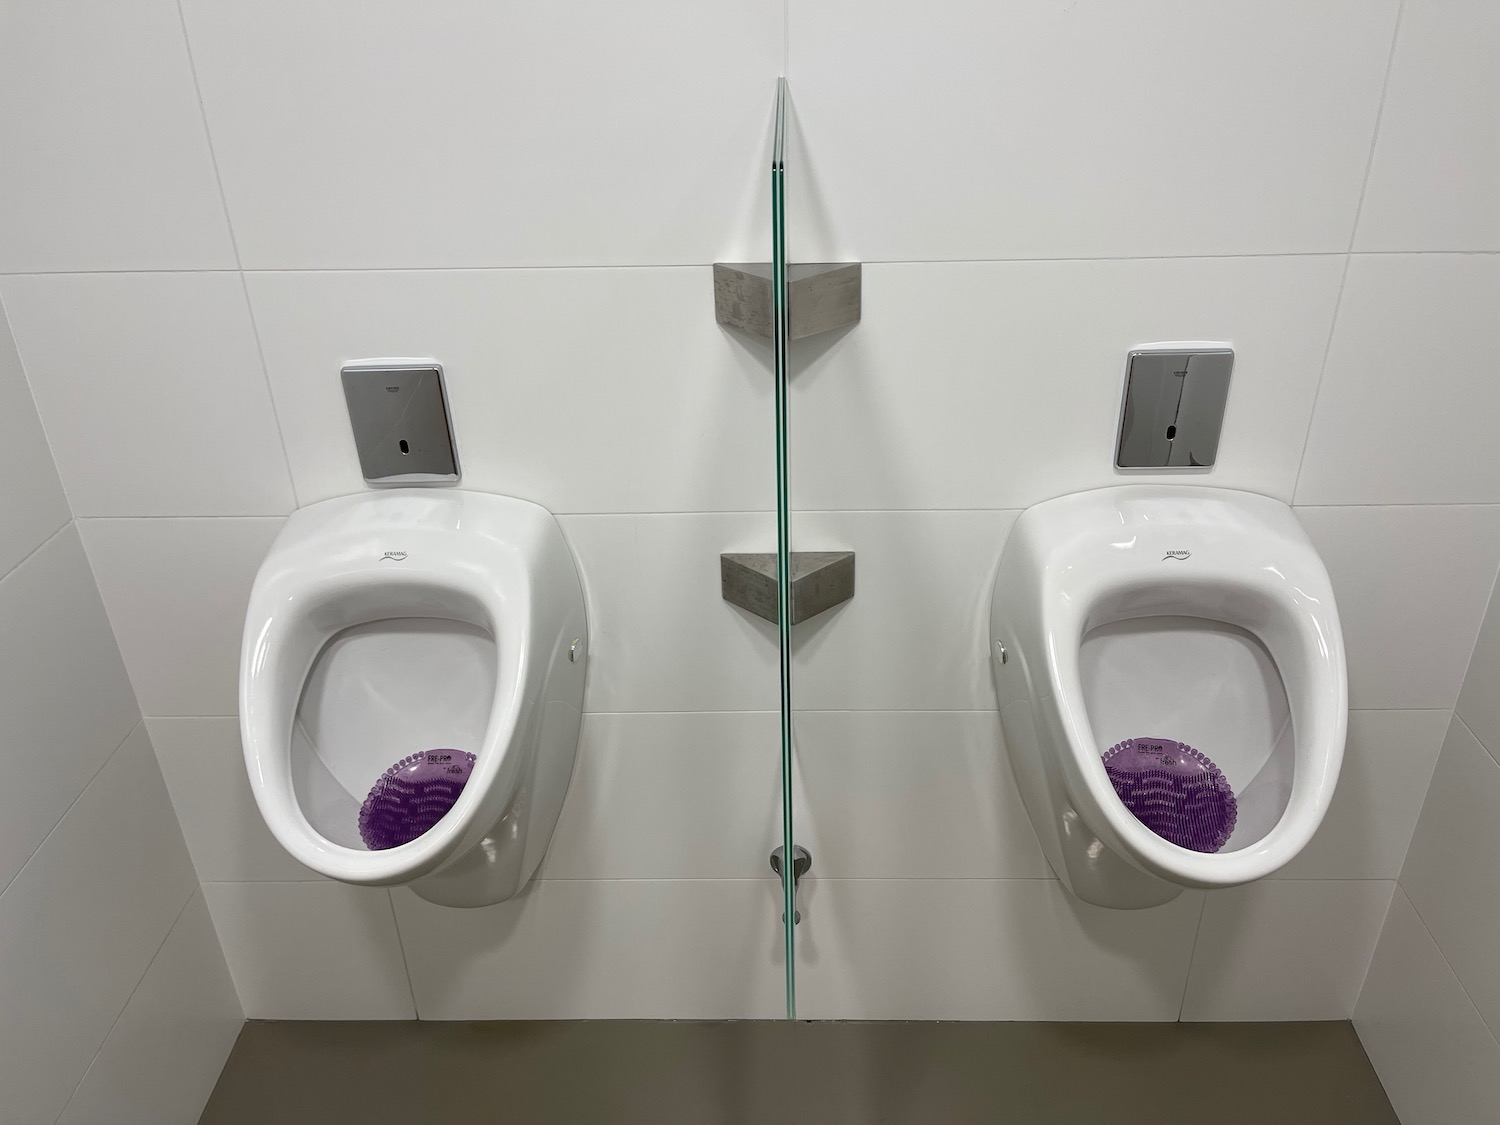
column 412, row 796
column 1174, row 790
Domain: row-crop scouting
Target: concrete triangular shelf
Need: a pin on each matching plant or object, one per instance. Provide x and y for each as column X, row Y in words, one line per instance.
column 820, row 580
column 820, row 297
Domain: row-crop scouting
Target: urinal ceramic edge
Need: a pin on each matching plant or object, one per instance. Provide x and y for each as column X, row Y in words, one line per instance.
column 492, row 561
column 1082, row 561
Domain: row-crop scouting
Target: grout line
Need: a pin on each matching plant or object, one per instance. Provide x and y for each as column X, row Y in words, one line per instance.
column 265, row 372
column 136, row 519
column 1359, row 207
column 1432, row 937
column 118, row 1015
column 603, row 267
column 1460, row 721
column 401, row 944
column 1385, row 920
column 32, row 553
column 805, row 513
column 213, row 156
column 26, row 380
column 82, row 789
column 234, row 244
column 1187, row 979
column 1385, row 87
column 595, row 267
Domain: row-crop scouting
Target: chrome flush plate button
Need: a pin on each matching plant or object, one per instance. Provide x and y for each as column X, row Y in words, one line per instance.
column 1174, row 407
column 403, row 429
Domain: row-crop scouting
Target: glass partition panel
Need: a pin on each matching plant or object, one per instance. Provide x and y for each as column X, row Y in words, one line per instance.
column 780, row 330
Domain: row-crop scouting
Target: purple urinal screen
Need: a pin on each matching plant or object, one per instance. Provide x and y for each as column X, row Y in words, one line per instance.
column 1174, row 790
column 412, row 796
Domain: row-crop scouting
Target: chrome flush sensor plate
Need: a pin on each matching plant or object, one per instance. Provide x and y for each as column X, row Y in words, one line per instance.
column 1174, row 407
column 402, row 425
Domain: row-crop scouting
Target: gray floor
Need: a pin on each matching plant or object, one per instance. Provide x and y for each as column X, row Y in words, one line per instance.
column 826, row 1073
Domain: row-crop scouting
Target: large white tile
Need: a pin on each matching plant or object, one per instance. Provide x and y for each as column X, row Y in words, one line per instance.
column 152, row 391
column 79, row 926
column 985, row 949
column 661, row 635
column 1409, row 391
column 915, row 634
column 998, row 384
column 583, row 390
column 671, row 796
column 164, row 1055
column 357, row 133
column 910, row 795
column 1093, row 129
column 33, row 506
column 107, row 166
column 1479, row 701
column 1437, row 1061
column 1285, row 949
column 64, row 695
column 176, row 591
column 204, row 767
column 1450, row 873
column 1388, row 761
column 1436, row 169
column 1411, row 585
column 312, row 951
column 618, row 949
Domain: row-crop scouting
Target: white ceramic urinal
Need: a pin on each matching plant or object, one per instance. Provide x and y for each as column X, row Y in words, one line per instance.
column 1194, row 614
column 395, row 622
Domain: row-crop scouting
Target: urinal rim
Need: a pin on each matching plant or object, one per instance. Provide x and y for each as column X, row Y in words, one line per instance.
column 1318, row 759
column 1049, row 636
column 325, row 560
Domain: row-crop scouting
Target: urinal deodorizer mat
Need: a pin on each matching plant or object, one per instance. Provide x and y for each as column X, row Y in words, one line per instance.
column 412, row 796
column 1174, row 790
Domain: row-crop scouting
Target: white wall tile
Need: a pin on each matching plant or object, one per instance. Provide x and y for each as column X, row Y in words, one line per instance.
column 1285, row 949
column 152, row 391
column 618, row 949
column 29, row 514
column 583, row 390
column 661, row 635
column 998, row 384
column 107, row 166
column 322, row 951
column 911, row 795
column 1094, row 129
column 1436, row 170
column 1434, row 1056
column 1450, row 874
column 916, row 633
column 204, row 767
column 671, row 796
column 1410, row 390
column 79, row 926
column 1411, row 585
column 1479, row 702
column 176, row 591
column 665, row 108
column 1388, row 761
column 64, row 695
column 985, row 949
column 164, row 1055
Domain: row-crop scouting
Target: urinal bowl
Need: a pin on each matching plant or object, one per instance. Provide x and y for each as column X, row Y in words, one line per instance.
column 1193, row 614
column 396, row 622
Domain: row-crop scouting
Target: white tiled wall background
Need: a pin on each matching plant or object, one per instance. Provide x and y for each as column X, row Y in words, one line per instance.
column 212, row 206
column 115, row 1001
